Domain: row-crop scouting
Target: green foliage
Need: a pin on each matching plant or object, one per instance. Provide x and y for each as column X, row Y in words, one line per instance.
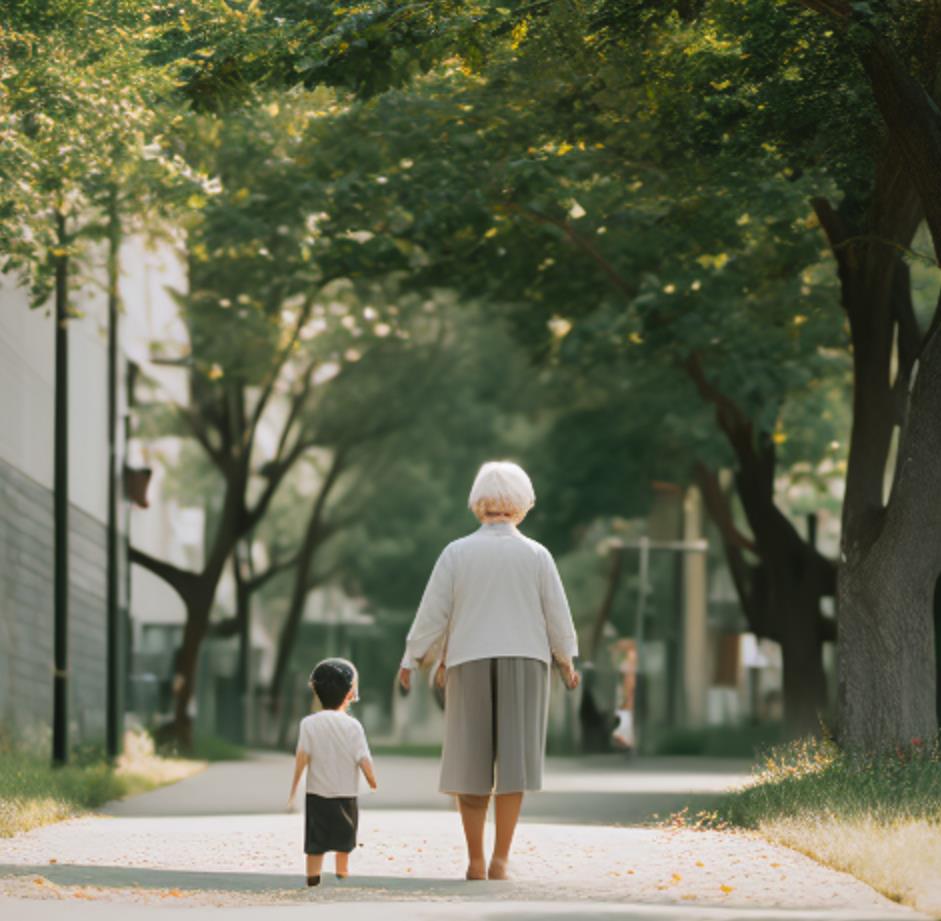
column 210, row 748
column 80, row 107
column 33, row 793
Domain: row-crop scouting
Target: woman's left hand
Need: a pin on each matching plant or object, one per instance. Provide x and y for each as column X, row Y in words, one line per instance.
column 441, row 676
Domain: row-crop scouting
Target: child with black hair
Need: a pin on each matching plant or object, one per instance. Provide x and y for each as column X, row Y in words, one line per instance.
column 332, row 748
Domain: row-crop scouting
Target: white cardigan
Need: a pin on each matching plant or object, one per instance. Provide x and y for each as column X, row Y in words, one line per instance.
column 493, row 593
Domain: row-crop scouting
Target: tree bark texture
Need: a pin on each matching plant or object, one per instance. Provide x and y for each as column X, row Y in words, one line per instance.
column 890, row 558
column 886, row 588
column 781, row 592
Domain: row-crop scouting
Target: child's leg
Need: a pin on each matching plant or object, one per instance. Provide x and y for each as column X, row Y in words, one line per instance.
column 506, row 808
column 343, row 864
column 474, row 816
column 314, row 864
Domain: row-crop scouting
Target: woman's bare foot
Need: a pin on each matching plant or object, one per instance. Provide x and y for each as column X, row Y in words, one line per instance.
column 498, row 868
column 476, row 869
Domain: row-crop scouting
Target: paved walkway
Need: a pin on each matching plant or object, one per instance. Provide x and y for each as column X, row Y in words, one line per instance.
column 221, row 840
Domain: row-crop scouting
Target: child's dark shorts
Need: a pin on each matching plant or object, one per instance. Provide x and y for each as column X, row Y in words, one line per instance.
column 330, row 824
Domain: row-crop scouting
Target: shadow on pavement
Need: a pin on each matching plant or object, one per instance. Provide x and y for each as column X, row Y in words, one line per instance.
column 147, row 878
column 596, row 790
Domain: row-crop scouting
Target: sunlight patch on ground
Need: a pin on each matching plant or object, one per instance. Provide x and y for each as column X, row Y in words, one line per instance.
column 902, row 859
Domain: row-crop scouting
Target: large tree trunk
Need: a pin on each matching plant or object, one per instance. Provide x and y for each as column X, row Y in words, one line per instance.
column 880, row 605
column 780, row 597
column 315, row 533
column 890, row 556
column 792, row 581
column 184, row 677
column 198, row 591
column 781, row 593
column 886, row 588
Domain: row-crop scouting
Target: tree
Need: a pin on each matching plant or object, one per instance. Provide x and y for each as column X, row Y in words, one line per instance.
column 515, row 208
column 754, row 80
column 890, row 574
column 291, row 349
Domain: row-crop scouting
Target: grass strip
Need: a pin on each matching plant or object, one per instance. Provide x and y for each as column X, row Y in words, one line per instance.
column 33, row 793
column 878, row 818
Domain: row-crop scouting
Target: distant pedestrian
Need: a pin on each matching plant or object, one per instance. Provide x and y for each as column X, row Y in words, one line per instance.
column 495, row 610
column 623, row 734
column 332, row 748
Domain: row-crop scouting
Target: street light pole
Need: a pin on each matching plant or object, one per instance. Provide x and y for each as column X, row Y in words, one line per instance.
column 60, row 502
column 113, row 702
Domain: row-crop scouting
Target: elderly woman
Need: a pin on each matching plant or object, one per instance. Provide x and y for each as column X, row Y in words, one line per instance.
column 496, row 612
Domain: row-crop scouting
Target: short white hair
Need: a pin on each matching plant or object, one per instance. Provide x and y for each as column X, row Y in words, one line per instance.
column 502, row 485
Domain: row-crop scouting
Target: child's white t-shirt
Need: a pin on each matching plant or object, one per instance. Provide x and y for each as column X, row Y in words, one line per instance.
column 335, row 742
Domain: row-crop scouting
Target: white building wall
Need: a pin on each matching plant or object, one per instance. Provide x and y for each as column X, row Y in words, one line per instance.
column 27, row 381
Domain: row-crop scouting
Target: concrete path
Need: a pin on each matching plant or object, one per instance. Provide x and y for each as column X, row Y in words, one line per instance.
column 222, row 841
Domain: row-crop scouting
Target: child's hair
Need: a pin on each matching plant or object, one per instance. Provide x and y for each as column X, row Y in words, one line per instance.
column 331, row 680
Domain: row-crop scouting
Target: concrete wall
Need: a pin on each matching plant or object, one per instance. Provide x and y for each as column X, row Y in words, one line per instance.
column 26, row 605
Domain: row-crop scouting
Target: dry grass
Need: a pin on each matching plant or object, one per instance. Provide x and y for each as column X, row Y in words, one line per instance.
column 33, row 793
column 878, row 818
column 901, row 859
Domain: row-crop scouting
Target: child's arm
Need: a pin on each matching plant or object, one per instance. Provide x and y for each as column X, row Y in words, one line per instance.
column 300, row 764
column 366, row 767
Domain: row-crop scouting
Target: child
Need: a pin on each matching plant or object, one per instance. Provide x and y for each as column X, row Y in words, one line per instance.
column 332, row 746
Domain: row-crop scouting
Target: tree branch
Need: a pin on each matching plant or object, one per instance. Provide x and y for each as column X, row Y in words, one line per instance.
column 197, row 427
column 730, row 416
column 182, row 581
column 909, row 335
column 835, row 9
column 260, row 579
column 913, row 122
column 322, row 577
column 582, row 243
column 280, row 362
column 720, row 509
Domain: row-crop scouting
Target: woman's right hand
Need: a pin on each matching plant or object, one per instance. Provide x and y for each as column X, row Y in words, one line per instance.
column 405, row 678
column 570, row 677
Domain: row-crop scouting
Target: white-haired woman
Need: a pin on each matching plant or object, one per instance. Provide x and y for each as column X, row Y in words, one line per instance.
column 496, row 607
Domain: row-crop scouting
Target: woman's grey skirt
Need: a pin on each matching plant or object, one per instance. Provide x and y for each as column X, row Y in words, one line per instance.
column 495, row 716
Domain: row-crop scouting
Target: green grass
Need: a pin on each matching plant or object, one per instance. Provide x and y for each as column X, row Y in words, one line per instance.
column 408, row 750
column 214, row 748
column 743, row 741
column 816, row 779
column 878, row 818
column 205, row 748
column 33, row 793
